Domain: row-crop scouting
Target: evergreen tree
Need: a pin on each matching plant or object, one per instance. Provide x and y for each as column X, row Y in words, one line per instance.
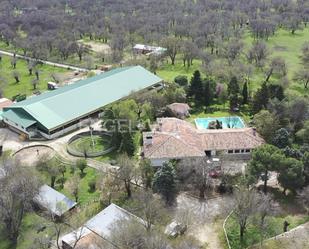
column 260, row 99
column 245, row 94
column 195, row 89
column 281, row 138
column 233, row 86
column 128, row 145
column 266, row 158
column 209, row 91
column 291, row 175
column 276, row 91
column 164, row 182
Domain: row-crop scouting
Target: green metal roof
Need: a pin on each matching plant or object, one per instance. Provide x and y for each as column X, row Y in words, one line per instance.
column 58, row 107
column 20, row 117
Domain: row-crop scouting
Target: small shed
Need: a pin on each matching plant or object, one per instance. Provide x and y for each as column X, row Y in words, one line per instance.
column 100, row 225
column 53, row 201
column 178, row 110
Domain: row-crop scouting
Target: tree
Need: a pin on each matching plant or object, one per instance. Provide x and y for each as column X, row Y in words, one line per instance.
column 164, row 183
column 195, row 172
column 277, row 66
column 81, row 164
column 258, row 53
column 34, row 83
column 109, row 186
column 82, row 49
column 195, row 89
column 50, row 167
column 209, row 91
column 303, row 197
column 303, row 134
column 265, row 158
column 233, row 50
column 302, row 76
column 291, row 175
column 150, row 208
column 73, row 186
column 245, row 93
column 173, row 46
column 305, row 160
column 16, row 76
column 126, row 172
column 305, row 53
column 281, row 138
column 128, row 145
column 245, row 204
column 260, row 98
column 233, row 86
column 266, row 124
column 19, row 185
column 147, row 172
column 129, row 233
column 14, row 62
column 181, row 80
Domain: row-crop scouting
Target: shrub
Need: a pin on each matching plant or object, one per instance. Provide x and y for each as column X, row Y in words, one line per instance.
column 181, row 80
column 92, row 185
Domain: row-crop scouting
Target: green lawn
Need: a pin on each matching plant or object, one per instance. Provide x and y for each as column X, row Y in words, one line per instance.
column 283, row 44
column 11, row 88
column 31, row 223
column 252, row 235
column 100, row 144
column 287, row 46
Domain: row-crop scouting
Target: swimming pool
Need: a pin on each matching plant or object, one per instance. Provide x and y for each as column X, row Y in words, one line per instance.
column 227, row 122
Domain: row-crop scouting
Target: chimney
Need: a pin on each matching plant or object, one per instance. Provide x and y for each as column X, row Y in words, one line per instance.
column 254, row 131
column 149, row 139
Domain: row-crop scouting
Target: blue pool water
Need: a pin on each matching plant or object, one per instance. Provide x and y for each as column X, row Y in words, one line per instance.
column 227, row 122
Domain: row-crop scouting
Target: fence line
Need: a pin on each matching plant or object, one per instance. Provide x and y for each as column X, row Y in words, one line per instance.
column 225, row 233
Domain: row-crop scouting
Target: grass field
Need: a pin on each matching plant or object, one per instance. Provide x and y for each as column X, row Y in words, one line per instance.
column 11, row 88
column 283, row 44
column 252, row 235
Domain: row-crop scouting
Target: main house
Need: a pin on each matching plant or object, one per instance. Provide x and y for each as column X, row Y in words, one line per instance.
column 57, row 112
column 174, row 138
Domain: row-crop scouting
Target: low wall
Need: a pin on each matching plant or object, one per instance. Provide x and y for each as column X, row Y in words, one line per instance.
column 77, row 153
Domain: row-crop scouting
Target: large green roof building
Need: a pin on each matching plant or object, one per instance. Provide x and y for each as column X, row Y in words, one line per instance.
column 57, row 112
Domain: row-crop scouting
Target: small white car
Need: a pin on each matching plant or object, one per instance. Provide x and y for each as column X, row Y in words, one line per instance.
column 174, row 229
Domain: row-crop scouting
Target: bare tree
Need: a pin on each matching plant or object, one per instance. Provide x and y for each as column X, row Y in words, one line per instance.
column 245, row 203
column 150, row 208
column 197, row 175
column 303, row 197
column 126, row 172
column 74, row 185
column 302, row 76
column 19, row 185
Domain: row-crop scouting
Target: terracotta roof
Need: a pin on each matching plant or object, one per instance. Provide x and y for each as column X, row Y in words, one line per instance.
column 175, row 138
column 5, row 103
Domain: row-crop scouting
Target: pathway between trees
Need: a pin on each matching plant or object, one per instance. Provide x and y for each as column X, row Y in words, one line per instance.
column 54, row 64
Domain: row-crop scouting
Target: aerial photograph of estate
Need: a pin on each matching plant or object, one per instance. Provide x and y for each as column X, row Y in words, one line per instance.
column 154, row 124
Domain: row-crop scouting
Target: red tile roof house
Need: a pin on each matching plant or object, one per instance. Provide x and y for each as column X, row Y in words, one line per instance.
column 174, row 138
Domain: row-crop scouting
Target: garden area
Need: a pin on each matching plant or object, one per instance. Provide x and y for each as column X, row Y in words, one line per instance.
column 25, row 83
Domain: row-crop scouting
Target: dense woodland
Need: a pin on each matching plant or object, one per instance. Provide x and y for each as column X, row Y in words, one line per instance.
column 230, row 70
column 39, row 27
